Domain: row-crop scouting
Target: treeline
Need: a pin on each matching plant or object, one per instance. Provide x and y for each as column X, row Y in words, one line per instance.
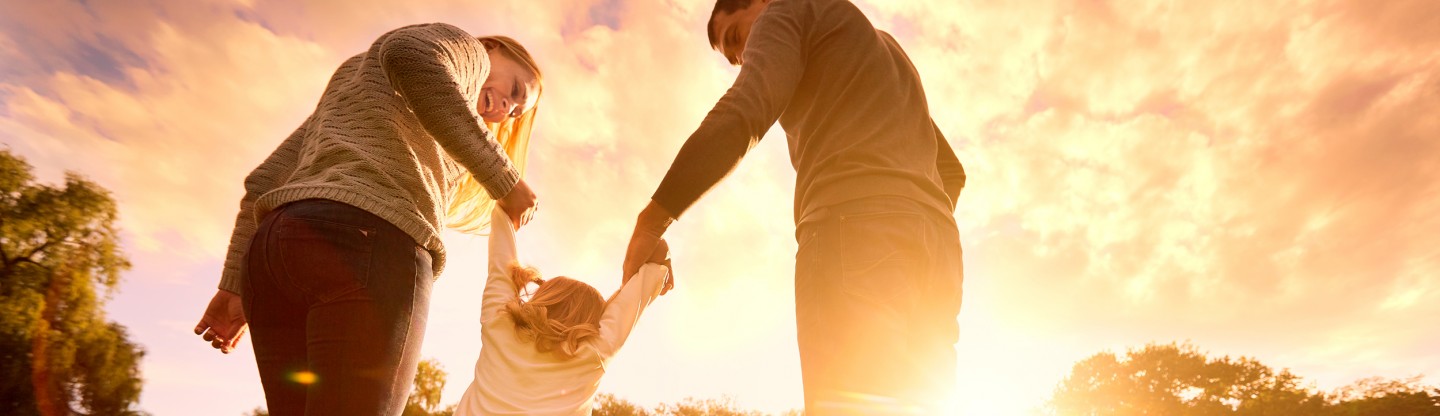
column 1154, row 380
column 1177, row 379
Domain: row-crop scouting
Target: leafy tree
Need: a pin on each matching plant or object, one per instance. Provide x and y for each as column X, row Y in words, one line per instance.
column 608, row 405
column 429, row 382
column 59, row 261
column 709, row 407
column 1178, row 380
column 259, row 411
column 1378, row 397
column 425, row 398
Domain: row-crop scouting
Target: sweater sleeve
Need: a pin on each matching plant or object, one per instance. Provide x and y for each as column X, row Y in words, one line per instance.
column 500, row 287
column 623, row 310
column 952, row 173
column 771, row 70
column 271, row 173
column 439, row 69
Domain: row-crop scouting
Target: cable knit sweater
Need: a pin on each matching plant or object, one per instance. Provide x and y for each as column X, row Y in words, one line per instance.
column 391, row 135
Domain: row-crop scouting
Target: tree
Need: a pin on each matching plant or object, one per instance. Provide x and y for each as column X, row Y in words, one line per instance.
column 607, row 404
column 425, row 398
column 1378, row 397
column 709, row 407
column 1178, row 380
column 60, row 259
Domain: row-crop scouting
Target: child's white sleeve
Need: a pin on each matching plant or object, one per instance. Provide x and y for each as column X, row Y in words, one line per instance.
column 623, row 311
column 499, row 286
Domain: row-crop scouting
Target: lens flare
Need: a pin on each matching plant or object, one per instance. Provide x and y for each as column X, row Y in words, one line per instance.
column 303, row 377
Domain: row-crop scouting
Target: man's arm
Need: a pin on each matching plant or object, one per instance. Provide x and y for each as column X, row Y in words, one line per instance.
column 773, row 64
column 952, row 173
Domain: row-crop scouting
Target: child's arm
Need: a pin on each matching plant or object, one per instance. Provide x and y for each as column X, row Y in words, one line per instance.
column 500, row 287
column 623, row 309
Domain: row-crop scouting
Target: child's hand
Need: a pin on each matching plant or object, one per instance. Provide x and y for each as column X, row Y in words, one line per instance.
column 661, row 254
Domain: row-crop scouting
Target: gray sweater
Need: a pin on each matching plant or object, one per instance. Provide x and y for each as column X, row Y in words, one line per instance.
column 851, row 105
column 394, row 132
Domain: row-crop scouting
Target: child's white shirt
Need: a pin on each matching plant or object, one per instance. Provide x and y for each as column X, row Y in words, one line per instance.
column 511, row 376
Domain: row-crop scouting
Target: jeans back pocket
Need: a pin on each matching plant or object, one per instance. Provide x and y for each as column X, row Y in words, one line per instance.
column 882, row 255
column 325, row 259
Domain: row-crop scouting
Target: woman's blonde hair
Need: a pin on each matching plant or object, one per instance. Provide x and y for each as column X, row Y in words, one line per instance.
column 470, row 204
column 560, row 315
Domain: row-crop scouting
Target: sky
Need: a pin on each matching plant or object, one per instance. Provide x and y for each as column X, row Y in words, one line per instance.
column 1255, row 178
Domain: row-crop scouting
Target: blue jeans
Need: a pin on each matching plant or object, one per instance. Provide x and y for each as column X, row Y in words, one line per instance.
column 877, row 294
column 337, row 300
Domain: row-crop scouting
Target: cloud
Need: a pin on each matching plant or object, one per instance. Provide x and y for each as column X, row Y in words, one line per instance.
column 1258, row 178
column 1231, row 170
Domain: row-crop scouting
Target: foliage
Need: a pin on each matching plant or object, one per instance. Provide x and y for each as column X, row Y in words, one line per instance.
column 1179, row 380
column 708, row 407
column 425, row 398
column 608, row 405
column 1375, row 396
column 429, row 382
column 60, row 259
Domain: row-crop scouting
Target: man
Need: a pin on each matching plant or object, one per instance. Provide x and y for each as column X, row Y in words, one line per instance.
column 878, row 275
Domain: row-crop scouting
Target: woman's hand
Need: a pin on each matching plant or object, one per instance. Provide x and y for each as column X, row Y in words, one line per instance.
column 224, row 321
column 520, row 204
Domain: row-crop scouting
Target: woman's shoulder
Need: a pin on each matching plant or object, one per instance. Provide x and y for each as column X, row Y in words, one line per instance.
column 436, row 30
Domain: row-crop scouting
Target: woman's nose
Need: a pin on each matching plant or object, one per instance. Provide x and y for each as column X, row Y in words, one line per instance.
column 506, row 106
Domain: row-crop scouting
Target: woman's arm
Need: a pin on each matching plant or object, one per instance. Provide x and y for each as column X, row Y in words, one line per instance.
column 269, row 175
column 223, row 322
column 438, row 69
column 500, row 286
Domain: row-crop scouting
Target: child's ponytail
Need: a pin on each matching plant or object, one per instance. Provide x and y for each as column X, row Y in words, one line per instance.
column 561, row 314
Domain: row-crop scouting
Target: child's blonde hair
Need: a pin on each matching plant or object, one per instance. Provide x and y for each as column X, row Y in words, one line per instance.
column 470, row 205
column 560, row 315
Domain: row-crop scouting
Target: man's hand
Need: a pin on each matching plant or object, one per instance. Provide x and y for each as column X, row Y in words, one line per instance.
column 520, row 204
column 651, row 224
column 224, row 321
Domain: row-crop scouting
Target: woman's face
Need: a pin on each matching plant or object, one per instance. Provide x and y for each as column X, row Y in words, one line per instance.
column 510, row 91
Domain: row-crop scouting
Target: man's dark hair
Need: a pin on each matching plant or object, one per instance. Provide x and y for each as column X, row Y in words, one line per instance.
column 722, row 6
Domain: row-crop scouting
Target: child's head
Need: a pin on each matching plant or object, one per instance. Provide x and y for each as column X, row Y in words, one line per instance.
column 562, row 313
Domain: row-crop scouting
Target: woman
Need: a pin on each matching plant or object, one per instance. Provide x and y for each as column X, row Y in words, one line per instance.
column 338, row 237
